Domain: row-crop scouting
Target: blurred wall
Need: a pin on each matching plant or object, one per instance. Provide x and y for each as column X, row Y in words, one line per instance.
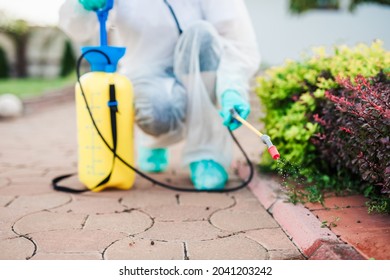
column 283, row 35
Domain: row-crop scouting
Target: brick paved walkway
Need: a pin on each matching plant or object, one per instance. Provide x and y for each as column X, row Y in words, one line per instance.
column 146, row 222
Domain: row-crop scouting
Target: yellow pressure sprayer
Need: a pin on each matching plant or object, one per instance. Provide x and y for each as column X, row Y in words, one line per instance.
column 105, row 121
column 109, row 97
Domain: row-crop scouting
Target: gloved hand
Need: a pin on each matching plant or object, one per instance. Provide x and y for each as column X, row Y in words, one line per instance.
column 93, row 5
column 231, row 99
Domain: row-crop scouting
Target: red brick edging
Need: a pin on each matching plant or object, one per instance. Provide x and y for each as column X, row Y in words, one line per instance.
column 299, row 223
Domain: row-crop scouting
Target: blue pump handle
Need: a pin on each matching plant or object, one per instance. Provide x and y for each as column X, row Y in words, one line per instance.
column 102, row 16
column 96, row 54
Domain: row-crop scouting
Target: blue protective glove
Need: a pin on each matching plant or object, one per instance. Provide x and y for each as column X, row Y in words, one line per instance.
column 93, row 5
column 231, row 99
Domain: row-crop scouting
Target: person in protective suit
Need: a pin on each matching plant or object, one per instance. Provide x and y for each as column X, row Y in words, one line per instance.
column 190, row 62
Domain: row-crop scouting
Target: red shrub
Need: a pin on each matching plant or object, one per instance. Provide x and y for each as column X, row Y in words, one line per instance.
column 355, row 121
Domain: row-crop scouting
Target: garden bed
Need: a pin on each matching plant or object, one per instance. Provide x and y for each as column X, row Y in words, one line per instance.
column 329, row 116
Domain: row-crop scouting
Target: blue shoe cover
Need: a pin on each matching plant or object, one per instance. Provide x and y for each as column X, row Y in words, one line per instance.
column 152, row 160
column 208, row 175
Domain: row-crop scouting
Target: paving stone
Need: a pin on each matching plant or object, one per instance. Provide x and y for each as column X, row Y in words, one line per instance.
column 244, row 195
column 129, row 223
column 285, row 255
column 15, row 158
column 271, row 239
column 234, row 181
column 53, row 162
column 91, row 205
column 3, row 167
column 47, row 221
column 27, row 189
column 171, row 174
column 4, row 182
column 174, row 176
column 215, row 200
column 53, row 172
column 10, row 215
column 228, row 248
column 111, row 193
column 248, row 205
column 142, row 184
column 6, row 230
column 74, row 241
column 182, row 231
column 33, row 179
column 18, row 248
column 153, row 198
column 84, row 226
column 69, row 256
column 144, row 249
column 176, row 213
column 236, row 221
column 6, row 199
column 40, row 202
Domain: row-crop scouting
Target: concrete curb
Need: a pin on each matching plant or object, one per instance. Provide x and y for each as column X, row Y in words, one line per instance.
column 299, row 223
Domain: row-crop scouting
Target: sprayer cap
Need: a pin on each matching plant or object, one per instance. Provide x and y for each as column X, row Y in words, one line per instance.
column 99, row 62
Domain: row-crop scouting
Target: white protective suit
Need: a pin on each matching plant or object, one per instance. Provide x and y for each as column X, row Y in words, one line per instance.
column 178, row 80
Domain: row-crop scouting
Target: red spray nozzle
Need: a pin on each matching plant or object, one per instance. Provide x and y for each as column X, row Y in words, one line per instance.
column 274, row 152
column 271, row 148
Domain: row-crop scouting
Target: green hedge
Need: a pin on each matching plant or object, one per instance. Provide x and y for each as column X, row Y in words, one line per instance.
column 293, row 93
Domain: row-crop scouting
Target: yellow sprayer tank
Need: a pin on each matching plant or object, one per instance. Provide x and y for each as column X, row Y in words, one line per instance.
column 97, row 167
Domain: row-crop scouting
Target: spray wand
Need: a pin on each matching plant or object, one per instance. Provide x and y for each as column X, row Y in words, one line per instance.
column 265, row 138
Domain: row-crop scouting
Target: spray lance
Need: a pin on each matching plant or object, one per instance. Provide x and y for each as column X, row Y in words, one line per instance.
column 265, row 138
column 105, row 121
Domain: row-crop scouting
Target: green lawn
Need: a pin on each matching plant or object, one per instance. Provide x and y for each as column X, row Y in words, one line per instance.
column 29, row 87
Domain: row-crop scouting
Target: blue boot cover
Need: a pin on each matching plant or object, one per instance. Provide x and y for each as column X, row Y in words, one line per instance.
column 208, row 175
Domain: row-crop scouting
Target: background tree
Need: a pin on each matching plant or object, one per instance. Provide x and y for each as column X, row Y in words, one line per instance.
column 18, row 31
column 4, row 67
column 68, row 61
